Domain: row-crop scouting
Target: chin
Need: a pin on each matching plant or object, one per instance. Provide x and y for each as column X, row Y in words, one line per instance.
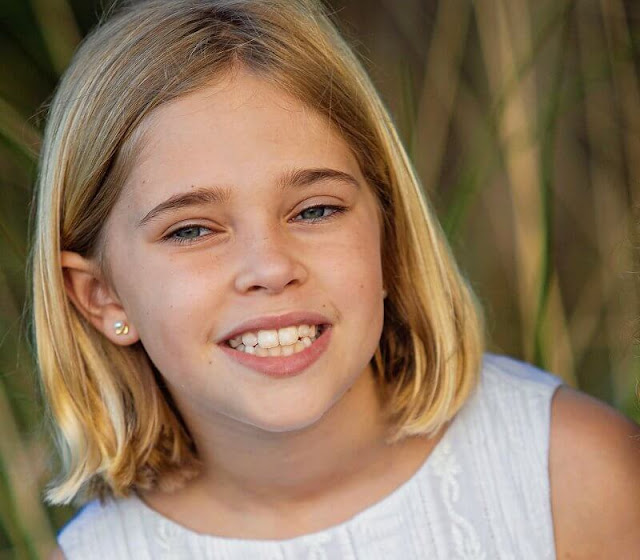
column 288, row 422
column 301, row 415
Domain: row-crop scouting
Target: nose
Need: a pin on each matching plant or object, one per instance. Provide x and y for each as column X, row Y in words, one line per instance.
column 269, row 263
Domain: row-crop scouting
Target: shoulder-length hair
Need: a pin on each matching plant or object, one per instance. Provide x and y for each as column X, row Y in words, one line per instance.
column 116, row 427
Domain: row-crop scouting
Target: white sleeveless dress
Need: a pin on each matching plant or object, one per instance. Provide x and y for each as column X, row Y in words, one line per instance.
column 483, row 493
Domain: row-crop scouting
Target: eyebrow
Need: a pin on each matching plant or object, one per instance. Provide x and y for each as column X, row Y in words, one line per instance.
column 196, row 197
column 202, row 196
column 306, row 177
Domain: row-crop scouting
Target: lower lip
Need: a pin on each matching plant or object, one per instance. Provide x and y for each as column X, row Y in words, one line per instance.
column 282, row 366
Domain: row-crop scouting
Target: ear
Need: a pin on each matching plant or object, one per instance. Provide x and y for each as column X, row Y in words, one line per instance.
column 95, row 300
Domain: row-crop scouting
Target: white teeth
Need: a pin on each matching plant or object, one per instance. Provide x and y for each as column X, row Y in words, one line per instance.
column 288, row 335
column 268, row 339
column 271, row 342
column 249, row 339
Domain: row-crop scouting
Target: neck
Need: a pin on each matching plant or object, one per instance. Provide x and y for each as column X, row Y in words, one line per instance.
column 243, row 465
column 260, row 484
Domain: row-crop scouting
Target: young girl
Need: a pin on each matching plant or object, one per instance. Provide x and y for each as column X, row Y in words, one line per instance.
column 251, row 332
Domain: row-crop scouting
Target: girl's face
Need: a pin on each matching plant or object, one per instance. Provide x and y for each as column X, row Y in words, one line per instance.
column 246, row 212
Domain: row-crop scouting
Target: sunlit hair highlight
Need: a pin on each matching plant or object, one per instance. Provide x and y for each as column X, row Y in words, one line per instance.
column 116, row 427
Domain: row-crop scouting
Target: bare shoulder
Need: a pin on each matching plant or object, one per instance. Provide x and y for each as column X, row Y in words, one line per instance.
column 57, row 554
column 594, row 468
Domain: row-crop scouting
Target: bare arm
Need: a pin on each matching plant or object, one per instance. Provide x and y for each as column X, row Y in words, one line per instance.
column 595, row 479
column 57, row 554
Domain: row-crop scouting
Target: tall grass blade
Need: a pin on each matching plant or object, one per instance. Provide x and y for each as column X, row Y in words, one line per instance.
column 611, row 211
column 18, row 133
column 625, row 82
column 59, row 30
column 480, row 123
column 21, row 467
column 553, row 349
column 439, row 90
column 502, row 41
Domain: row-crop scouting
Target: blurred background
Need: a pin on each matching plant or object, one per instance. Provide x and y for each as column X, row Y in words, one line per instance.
column 523, row 120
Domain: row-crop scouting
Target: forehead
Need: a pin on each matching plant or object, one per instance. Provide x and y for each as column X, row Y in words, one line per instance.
column 240, row 130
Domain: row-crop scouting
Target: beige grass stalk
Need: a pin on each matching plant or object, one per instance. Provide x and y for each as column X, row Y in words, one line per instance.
column 554, row 334
column 18, row 130
column 501, row 41
column 439, row 91
column 557, row 343
column 585, row 319
column 612, row 215
column 21, row 470
column 625, row 82
column 404, row 20
column 506, row 40
column 574, row 208
column 23, row 481
column 59, row 30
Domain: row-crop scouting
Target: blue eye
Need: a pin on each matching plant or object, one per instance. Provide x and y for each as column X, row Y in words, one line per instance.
column 318, row 213
column 188, row 234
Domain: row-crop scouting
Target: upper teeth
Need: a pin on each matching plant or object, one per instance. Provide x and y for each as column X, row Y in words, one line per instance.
column 270, row 338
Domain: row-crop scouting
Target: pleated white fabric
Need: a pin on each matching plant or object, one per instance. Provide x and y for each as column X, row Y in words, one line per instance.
column 483, row 493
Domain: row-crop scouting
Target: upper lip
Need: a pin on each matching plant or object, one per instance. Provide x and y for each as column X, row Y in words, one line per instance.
column 274, row 322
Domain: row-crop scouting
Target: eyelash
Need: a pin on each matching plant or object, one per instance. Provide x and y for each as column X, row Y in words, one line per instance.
column 173, row 238
column 336, row 210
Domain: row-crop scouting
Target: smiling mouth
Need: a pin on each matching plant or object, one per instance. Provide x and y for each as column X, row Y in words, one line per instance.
column 277, row 342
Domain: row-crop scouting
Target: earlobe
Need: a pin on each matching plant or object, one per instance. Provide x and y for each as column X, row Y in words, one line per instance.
column 94, row 299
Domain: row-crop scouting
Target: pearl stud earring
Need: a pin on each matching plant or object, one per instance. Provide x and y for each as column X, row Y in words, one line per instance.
column 121, row 328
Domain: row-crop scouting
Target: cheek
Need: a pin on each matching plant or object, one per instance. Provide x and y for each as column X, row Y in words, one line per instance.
column 357, row 276
column 367, row 253
column 167, row 299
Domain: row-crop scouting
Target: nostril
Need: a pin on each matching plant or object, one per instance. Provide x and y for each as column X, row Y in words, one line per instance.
column 269, row 281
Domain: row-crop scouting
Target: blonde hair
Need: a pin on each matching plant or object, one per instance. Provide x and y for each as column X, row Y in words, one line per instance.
column 116, row 427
